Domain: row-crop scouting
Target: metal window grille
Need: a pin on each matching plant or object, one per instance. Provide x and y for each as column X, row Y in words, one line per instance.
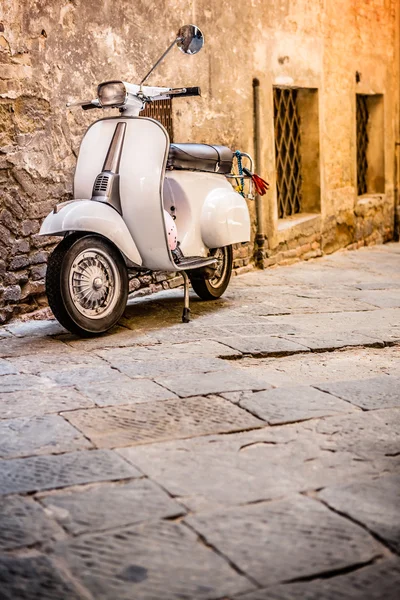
column 362, row 143
column 161, row 110
column 287, row 152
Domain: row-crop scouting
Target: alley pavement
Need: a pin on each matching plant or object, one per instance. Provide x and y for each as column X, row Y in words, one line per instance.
column 253, row 453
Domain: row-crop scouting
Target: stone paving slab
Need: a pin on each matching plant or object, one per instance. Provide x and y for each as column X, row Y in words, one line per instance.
column 375, row 503
column 381, row 298
column 159, row 368
column 368, row 394
column 151, row 561
column 253, row 466
column 156, row 421
column 49, row 434
column 371, row 434
column 374, row 582
column 38, row 473
column 108, row 506
column 6, row 368
column 34, row 578
column 37, row 363
column 288, row 405
column 81, row 375
column 283, row 540
column 115, row 338
column 212, row 383
column 23, row 522
column 308, row 369
column 322, row 323
column 126, row 391
column 334, row 340
column 40, row 401
column 169, row 351
column 257, row 328
column 14, row 383
column 21, row 346
column 35, row 328
column 261, row 345
column 297, row 304
column 381, row 285
column 186, row 332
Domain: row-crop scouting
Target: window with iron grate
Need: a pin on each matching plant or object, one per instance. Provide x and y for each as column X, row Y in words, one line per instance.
column 297, row 156
column 370, row 144
column 287, row 152
column 362, row 143
column 161, row 110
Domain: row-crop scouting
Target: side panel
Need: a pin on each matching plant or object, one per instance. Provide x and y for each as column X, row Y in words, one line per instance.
column 87, row 215
column 209, row 213
column 141, row 171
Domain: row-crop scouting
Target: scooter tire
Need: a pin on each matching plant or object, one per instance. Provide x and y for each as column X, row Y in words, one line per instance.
column 58, row 287
column 212, row 289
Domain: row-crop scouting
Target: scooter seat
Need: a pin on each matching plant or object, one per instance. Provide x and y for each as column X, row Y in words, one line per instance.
column 200, row 157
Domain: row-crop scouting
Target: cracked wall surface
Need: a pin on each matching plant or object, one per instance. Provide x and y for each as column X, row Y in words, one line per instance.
column 55, row 51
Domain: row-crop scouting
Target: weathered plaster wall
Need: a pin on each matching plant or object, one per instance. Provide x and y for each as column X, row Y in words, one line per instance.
column 52, row 51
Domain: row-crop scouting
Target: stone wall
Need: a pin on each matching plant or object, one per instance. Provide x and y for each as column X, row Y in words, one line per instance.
column 52, row 51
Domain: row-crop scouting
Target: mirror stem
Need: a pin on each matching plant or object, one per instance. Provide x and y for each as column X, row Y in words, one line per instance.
column 160, row 59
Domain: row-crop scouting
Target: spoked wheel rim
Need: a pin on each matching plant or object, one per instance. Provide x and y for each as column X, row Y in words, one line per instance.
column 221, row 254
column 94, row 283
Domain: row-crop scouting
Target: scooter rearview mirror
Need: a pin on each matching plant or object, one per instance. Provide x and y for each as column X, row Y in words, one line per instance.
column 190, row 39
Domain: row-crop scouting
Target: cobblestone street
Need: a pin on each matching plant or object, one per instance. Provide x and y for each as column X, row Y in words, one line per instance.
column 253, row 453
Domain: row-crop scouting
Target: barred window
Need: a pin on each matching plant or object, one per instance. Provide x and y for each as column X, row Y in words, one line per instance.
column 161, row 110
column 370, row 144
column 362, row 116
column 287, row 152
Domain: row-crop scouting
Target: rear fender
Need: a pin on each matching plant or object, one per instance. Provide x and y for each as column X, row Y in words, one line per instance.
column 225, row 218
column 94, row 217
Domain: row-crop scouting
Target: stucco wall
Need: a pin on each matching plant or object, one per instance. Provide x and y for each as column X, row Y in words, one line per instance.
column 52, row 51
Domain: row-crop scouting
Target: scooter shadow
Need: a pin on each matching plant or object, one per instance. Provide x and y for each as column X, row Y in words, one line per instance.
column 165, row 308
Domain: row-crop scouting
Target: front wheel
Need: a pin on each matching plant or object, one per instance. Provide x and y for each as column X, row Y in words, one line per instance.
column 210, row 289
column 87, row 284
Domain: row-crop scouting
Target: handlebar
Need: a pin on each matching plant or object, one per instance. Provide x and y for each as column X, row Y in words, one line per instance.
column 180, row 92
column 89, row 106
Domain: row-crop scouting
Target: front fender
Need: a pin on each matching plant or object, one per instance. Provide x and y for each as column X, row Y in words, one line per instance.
column 95, row 217
column 225, row 218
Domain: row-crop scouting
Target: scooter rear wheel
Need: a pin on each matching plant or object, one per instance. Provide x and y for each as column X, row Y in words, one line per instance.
column 211, row 289
column 87, row 284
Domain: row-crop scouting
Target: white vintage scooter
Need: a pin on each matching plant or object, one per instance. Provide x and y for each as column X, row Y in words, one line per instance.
column 141, row 204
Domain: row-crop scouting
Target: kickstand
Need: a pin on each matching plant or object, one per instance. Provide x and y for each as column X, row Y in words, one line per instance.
column 186, row 310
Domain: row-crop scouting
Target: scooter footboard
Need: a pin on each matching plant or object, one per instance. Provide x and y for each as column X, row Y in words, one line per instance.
column 95, row 217
column 225, row 219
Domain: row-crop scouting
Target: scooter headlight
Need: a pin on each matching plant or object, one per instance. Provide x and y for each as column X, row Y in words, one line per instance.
column 111, row 93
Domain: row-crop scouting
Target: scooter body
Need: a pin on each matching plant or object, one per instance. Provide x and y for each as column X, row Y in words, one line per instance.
column 127, row 193
column 209, row 213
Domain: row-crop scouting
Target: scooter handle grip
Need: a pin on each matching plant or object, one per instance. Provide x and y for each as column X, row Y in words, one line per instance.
column 190, row 91
column 89, row 106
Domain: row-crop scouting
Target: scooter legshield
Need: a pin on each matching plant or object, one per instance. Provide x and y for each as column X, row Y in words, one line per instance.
column 93, row 217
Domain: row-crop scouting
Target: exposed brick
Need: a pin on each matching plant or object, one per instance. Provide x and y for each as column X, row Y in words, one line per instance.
column 7, row 219
column 19, row 262
column 39, row 257
column 38, row 272
column 32, row 288
column 15, row 277
column 176, row 282
column 6, row 236
column 28, row 227
column 38, row 241
column 20, row 247
column 12, row 293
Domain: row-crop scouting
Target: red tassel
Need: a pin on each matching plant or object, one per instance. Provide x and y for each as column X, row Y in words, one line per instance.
column 260, row 184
